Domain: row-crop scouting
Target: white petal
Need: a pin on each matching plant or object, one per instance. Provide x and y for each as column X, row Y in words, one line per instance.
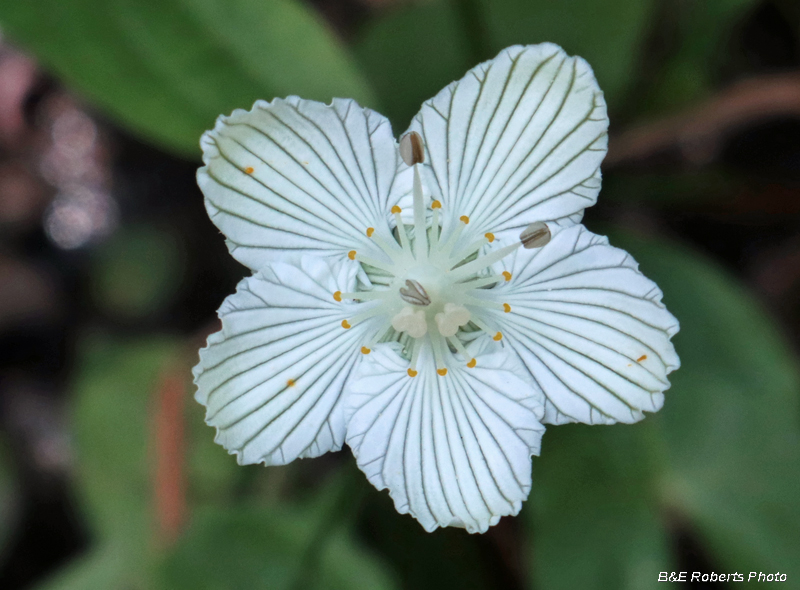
column 452, row 450
column 296, row 177
column 272, row 378
column 519, row 139
column 589, row 327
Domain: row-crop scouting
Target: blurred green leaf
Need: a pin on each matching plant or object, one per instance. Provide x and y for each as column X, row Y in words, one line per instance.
column 267, row 548
column 137, row 272
column 606, row 33
column 731, row 423
column 113, row 426
column 593, row 517
column 700, row 40
column 410, row 54
column 168, row 68
column 722, row 456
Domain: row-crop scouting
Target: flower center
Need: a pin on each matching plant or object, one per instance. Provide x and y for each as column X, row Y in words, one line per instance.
column 425, row 292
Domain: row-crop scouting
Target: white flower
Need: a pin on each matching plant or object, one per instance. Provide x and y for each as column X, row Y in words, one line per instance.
column 431, row 303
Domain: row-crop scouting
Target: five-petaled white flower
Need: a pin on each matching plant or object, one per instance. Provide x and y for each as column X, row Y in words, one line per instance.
column 431, row 303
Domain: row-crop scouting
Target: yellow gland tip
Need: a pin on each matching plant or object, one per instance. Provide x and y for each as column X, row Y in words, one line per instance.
column 464, row 219
column 370, row 231
column 352, row 255
column 506, row 275
column 411, row 373
column 436, row 204
column 442, row 372
column 498, row 337
column 489, row 236
column 346, row 324
column 365, row 350
column 291, row 382
column 249, row 170
column 337, row 296
column 506, row 307
column 396, row 209
column 472, row 363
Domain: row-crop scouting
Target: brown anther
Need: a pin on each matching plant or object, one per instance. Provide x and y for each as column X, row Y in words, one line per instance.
column 464, row 219
column 497, row 337
column 346, row 325
column 365, row 350
column 506, row 307
column 641, row 358
column 411, row 149
column 370, row 231
column 489, row 236
column 411, row 373
column 337, row 296
column 351, row 254
column 472, row 363
column 396, row 209
column 442, row 372
column 506, row 275
column 414, row 293
column 535, row 235
column 436, row 204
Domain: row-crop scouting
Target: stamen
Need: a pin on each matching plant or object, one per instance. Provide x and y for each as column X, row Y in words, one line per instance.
column 445, row 250
column 415, row 350
column 496, row 336
column 506, row 307
column 364, row 315
column 353, row 255
column 483, row 262
column 411, row 149
column 437, row 343
column 435, row 206
column 535, row 235
column 464, row 219
column 489, row 236
column 506, row 275
column 370, row 231
column 462, row 351
column 414, row 293
column 420, row 233
column 363, row 295
column 365, row 350
column 401, row 229
column 468, row 251
column 480, row 282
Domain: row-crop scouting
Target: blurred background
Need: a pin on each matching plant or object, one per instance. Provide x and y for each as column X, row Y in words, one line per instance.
column 111, row 273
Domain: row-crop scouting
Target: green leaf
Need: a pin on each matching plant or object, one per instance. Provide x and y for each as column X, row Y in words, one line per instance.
column 230, row 549
column 703, row 30
column 593, row 517
column 411, row 54
column 606, row 33
column 722, row 456
column 168, row 68
column 137, row 272
column 731, row 421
